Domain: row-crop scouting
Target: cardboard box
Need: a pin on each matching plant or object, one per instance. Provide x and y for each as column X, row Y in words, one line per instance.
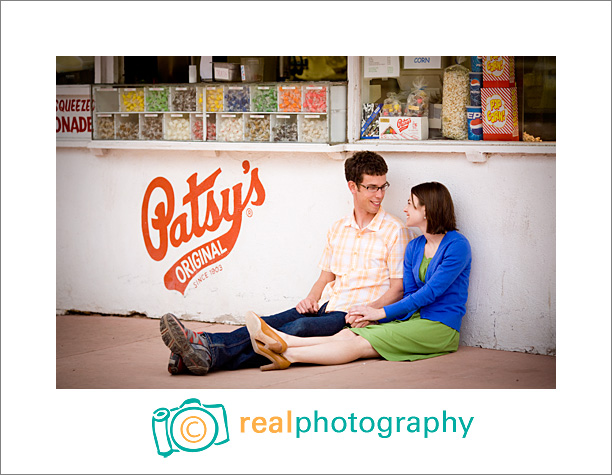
column 422, row 62
column 226, row 72
column 403, row 128
column 370, row 113
column 498, row 71
column 500, row 113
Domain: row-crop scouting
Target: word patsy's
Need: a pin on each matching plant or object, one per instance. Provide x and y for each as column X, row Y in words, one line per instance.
column 176, row 231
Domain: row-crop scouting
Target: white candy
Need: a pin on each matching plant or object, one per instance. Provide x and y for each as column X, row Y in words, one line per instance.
column 314, row 130
column 230, row 129
column 178, row 129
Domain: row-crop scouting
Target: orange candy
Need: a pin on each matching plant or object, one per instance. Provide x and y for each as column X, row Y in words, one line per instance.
column 290, row 98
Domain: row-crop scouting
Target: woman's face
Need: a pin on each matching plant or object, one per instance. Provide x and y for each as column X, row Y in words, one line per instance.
column 415, row 213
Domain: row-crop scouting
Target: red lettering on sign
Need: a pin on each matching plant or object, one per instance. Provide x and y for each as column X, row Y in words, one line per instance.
column 180, row 230
column 403, row 124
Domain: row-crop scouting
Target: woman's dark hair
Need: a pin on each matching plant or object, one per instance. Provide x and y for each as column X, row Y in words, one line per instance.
column 364, row 163
column 439, row 208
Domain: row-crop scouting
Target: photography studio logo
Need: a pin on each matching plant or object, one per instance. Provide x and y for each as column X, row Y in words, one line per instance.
column 191, row 427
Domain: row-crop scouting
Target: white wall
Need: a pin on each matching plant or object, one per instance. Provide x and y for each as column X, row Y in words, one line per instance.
column 506, row 208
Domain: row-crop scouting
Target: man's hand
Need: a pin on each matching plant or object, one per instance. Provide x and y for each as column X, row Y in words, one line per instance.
column 308, row 305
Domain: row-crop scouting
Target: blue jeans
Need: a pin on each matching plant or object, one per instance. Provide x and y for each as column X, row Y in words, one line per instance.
column 233, row 350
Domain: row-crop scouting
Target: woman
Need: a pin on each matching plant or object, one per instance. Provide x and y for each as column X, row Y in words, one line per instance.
column 423, row 324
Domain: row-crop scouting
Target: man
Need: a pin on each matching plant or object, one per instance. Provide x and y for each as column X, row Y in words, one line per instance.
column 362, row 265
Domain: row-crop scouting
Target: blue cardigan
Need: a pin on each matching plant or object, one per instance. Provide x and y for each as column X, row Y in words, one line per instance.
column 443, row 295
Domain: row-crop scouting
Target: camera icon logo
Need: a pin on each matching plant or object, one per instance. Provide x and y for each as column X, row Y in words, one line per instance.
column 191, row 427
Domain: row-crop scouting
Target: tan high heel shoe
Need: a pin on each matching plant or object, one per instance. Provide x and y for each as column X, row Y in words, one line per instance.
column 266, row 342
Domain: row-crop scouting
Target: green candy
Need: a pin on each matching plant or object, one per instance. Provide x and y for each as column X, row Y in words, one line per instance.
column 265, row 100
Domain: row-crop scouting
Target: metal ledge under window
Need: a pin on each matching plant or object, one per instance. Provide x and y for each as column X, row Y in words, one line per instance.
column 474, row 152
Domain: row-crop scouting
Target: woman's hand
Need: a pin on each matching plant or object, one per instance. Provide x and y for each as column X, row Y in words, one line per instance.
column 362, row 315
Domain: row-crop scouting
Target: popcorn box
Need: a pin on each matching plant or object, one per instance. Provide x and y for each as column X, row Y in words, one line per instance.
column 500, row 113
column 403, row 128
column 498, row 71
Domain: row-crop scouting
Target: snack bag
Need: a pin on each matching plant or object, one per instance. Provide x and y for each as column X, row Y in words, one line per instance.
column 455, row 98
column 417, row 103
column 392, row 106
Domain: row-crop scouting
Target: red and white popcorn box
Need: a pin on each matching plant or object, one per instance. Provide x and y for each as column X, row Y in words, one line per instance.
column 500, row 113
column 498, row 71
column 403, row 128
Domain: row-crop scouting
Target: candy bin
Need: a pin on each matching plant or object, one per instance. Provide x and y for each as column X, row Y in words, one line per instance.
column 127, row 127
column 264, row 98
column 237, row 99
column 177, row 127
column 183, row 99
column 211, row 127
column 131, row 99
column 106, row 99
column 104, row 127
column 284, row 128
column 230, row 128
column 152, row 127
column 214, row 98
column 313, row 128
column 315, row 99
column 197, row 127
column 289, row 98
column 257, row 128
column 200, row 92
column 156, row 99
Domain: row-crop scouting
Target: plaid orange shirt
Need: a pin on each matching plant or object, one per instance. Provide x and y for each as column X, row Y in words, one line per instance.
column 363, row 260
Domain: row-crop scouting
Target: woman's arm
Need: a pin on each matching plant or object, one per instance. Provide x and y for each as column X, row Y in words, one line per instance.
column 456, row 258
column 392, row 295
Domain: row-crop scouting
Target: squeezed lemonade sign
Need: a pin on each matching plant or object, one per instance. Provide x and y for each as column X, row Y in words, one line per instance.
column 164, row 229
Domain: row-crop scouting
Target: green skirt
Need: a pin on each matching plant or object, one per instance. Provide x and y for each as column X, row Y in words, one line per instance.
column 410, row 340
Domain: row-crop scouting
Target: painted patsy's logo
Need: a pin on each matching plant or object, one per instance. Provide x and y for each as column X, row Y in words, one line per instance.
column 164, row 229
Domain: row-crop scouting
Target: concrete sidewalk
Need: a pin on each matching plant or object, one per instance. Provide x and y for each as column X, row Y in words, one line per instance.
column 127, row 352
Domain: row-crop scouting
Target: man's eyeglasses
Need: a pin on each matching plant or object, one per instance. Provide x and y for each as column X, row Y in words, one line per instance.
column 374, row 188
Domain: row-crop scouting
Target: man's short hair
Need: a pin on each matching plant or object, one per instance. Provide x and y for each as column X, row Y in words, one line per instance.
column 364, row 163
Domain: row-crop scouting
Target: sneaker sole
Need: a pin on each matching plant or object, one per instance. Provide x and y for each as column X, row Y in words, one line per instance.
column 174, row 338
column 175, row 365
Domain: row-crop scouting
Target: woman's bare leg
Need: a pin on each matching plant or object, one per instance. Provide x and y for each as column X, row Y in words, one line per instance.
column 297, row 341
column 333, row 350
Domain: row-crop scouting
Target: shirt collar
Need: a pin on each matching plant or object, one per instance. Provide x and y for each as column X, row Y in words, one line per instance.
column 373, row 225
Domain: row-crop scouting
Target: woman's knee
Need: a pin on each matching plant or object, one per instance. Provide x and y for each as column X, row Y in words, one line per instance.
column 345, row 334
column 366, row 349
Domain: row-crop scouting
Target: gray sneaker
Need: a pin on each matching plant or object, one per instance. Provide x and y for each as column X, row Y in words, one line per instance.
column 190, row 346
